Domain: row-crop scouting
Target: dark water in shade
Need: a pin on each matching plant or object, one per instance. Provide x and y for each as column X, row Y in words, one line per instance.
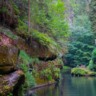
column 69, row 86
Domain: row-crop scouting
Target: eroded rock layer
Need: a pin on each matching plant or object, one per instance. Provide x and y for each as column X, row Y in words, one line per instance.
column 11, row 83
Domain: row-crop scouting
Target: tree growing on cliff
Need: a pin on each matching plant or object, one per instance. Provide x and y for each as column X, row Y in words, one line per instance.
column 29, row 16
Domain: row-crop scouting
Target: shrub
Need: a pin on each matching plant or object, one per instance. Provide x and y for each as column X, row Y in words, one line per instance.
column 50, row 73
column 47, row 74
column 90, row 66
column 82, row 72
column 92, row 63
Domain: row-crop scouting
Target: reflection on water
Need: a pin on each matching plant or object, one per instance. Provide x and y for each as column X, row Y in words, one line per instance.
column 69, row 86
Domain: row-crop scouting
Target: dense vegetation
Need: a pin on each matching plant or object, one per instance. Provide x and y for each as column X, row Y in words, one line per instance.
column 40, row 24
column 47, row 31
column 93, row 15
column 81, row 42
column 81, row 47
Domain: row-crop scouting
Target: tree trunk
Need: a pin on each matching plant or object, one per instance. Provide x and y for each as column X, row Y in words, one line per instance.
column 29, row 15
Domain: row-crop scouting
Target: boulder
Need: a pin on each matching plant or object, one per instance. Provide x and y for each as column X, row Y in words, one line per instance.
column 11, row 83
column 8, row 58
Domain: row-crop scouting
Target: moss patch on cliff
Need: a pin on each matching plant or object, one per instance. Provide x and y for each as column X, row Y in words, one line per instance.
column 40, row 37
column 8, row 32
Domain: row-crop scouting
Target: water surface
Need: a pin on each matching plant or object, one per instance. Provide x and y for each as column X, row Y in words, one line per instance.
column 69, row 86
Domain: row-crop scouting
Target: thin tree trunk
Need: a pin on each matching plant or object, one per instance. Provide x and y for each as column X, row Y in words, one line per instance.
column 29, row 15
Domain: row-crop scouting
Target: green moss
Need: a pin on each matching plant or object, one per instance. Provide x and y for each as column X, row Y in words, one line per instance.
column 42, row 38
column 82, row 72
column 26, row 58
column 8, row 32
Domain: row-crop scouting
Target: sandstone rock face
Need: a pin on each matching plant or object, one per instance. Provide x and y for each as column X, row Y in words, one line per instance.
column 35, row 49
column 10, row 79
column 8, row 58
column 11, row 83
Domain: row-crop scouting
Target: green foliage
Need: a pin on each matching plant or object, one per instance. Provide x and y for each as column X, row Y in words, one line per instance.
column 79, row 53
column 57, row 23
column 15, row 7
column 30, row 81
column 90, row 66
column 81, row 42
column 47, row 17
column 50, row 73
column 78, row 71
column 82, row 72
column 43, row 38
column 93, row 15
column 94, row 55
column 46, row 73
column 92, row 63
column 25, row 57
column 79, row 6
column 26, row 60
column 22, row 27
column 66, row 69
column 56, row 72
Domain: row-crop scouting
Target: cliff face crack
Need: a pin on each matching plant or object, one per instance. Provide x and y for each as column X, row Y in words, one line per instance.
column 48, row 58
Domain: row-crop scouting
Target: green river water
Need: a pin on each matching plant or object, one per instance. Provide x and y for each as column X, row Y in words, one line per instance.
column 69, row 86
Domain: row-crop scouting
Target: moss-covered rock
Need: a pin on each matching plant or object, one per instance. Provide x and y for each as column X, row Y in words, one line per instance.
column 82, row 72
column 8, row 33
column 36, row 49
column 8, row 58
column 11, row 83
column 39, row 45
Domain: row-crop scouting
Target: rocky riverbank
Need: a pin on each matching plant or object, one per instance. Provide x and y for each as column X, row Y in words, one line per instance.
column 10, row 76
